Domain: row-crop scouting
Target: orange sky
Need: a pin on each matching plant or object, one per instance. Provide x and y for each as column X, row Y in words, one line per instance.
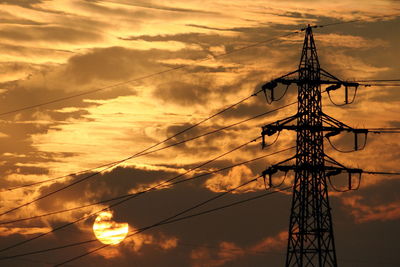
column 52, row 49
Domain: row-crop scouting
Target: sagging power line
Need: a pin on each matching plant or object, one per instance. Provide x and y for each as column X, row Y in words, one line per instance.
column 311, row 240
column 154, row 150
column 177, row 219
column 167, row 185
column 151, row 188
column 169, row 220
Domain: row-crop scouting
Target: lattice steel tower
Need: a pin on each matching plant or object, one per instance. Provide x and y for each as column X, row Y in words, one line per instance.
column 310, row 240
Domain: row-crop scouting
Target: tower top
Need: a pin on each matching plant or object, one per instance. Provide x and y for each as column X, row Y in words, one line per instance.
column 309, row 56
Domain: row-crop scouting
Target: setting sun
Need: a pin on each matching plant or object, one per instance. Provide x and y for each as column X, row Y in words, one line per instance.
column 107, row 231
column 199, row 133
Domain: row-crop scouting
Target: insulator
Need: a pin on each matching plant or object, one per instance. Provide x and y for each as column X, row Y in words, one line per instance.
column 350, row 180
column 359, row 171
column 270, row 171
column 334, row 172
column 285, row 82
column 263, row 141
column 351, row 84
column 269, row 85
column 355, row 141
column 333, row 87
column 333, row 133
column 356, row 133
column 269, row 131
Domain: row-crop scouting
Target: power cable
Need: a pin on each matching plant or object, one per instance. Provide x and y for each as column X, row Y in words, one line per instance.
column 359, row 180
column 348, row 151
column 370, row 130
column 269, row 101
column 145, row 228
column 345, row 190
column 174, row 218
column 381, row 173
column 151, row 151
column 116, row 163
column 168, row 70
column 381, row 84
column 350, row 21
column 163, row 183
column 128, row 195
column 144, row 77
column 390, row 80
column 347, row 103
column 382, row 129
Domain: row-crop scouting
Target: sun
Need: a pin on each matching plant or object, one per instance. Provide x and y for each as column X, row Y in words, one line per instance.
column 107, row 231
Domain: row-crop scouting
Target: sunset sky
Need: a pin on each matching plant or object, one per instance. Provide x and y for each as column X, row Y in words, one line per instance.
column 51, row 49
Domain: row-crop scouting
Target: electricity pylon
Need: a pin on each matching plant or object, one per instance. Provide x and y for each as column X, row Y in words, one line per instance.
column 310, row 240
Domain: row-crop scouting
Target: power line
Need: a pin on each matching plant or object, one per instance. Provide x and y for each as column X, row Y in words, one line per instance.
column 80, row 256
column 152, row 151
column 44, row 263
column 381, row 173
column 144, row 77
column 374, row 130
column 350, row 21
column 382, row 84
column 389, row 80
column 163, row 183
column 168, row 70
column 370, row 130
column 116, row 163
column 137, row 154
column 174, row 183
column 128, row 195
column 174, row 218
column 385, row 129
column 154, row 225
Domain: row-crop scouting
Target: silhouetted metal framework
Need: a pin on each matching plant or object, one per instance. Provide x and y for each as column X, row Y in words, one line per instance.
column 311, row 239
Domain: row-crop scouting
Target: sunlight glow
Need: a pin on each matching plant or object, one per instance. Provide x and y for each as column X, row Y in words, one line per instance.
column 107, row 231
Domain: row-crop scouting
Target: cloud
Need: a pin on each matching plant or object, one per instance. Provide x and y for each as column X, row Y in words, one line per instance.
column 366, row 213
column 23, row 3
column 229, row 251
column 56, row 48
column 152, row 5
column 235, row 177
column 47, row 34
column 26, row 231
column 377, row 202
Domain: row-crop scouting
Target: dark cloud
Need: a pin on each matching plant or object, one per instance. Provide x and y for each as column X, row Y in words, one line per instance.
column 152, row 5
column 23, row 3
column 49, row 33
column 184, row 93
column 394, row 123
column 197, row 38
column 5, row 19
column 195, row 86
column 388, row 94
column 154, row 206
column 244, row 225
column 114, row 63
column 118, row 182
column 208, row 28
